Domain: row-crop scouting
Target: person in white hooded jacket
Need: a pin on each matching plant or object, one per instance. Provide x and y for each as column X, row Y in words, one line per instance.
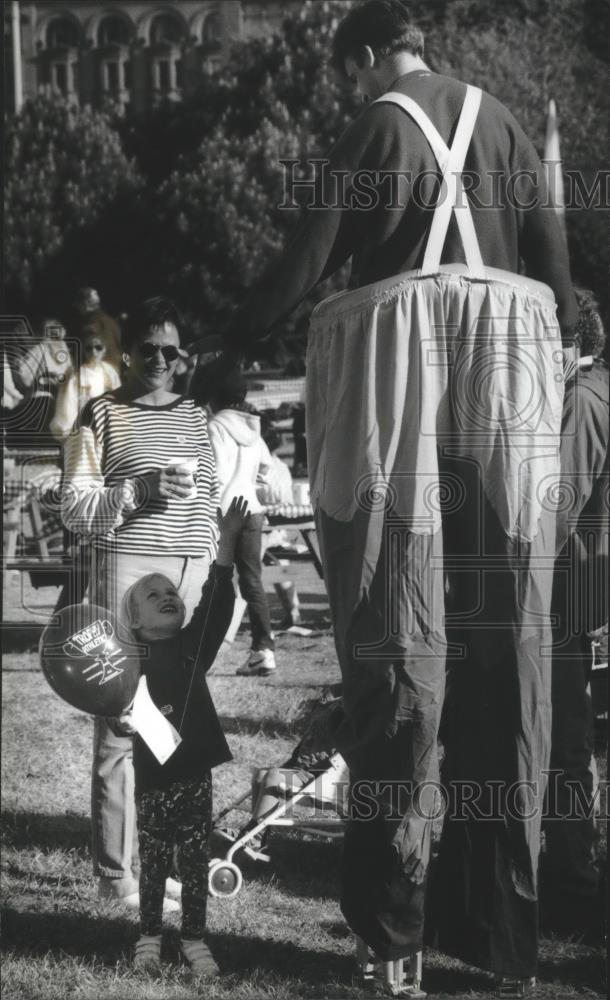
column 241, row 453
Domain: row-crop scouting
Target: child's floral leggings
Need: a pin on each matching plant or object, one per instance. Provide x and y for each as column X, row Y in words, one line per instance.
column 179, row 816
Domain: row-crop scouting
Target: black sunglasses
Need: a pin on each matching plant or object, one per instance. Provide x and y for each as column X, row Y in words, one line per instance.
column 148, row 351
column 94, row 347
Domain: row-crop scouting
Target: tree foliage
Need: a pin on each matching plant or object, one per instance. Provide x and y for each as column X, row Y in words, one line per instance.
column 184, row 199
column 64, row 168
column 219, row 208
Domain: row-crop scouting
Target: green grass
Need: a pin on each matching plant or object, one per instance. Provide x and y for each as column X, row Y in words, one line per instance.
column 282, row 937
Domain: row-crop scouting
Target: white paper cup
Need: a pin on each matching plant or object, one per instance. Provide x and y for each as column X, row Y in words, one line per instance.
column 300, row 493
column 186, row 466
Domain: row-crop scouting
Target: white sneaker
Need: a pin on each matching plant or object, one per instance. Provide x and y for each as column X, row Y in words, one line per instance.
column 118, row 890
column 125, row 892
column 260, row 663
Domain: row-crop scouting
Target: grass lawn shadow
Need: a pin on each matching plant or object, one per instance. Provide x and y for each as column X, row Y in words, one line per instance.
column 447, row 982
column 66, row 932
column 584, row 972
column 39, row 830
column 242, row 955
column 581, row 972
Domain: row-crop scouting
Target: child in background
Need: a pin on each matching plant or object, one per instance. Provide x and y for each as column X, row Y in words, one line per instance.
column 273, row 483
column 241, row 454
column 174, row 800
column 93, row 378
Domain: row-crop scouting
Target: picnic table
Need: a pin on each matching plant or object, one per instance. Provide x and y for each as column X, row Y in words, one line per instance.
column 299, row 517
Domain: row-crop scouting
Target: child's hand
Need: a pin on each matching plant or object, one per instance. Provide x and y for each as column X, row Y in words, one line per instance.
column 230, row 525
column 123, row 725
column 236, row 517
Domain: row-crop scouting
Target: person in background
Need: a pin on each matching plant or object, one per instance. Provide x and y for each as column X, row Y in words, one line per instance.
column 93, row 378
column 274, row 486
column 299, row 467
column 241, row 455
column 571, row 893
column 38, row 376
column 11, row 397
column 87, row 316
column 174, row 799
column 274, row 482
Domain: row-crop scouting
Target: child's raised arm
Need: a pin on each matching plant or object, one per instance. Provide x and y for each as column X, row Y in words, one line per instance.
column 212, row 617
column 230, row 525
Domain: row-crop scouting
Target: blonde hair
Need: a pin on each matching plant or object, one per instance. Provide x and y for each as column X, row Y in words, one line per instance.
column 129, row 604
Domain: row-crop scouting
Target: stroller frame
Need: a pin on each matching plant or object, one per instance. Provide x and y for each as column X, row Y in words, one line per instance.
column 224, row 876
column 400, row 978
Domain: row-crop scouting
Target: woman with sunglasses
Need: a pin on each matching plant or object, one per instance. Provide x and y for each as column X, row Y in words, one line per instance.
column 140, row 483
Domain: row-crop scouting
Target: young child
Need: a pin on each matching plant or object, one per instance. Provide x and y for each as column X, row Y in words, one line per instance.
column 174, row 800
column 241, row 453
column 94, row 377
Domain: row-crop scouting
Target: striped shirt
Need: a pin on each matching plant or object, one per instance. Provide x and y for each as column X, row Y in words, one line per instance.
column 119, row 440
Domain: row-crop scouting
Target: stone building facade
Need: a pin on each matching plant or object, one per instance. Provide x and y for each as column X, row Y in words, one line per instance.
column 136, row 52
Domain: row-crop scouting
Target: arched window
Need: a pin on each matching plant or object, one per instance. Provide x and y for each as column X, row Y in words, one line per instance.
column 212, row 30
column 166, row 35
column 114, row 35
column 167, row 30
column 113, row 31
column 62, row 33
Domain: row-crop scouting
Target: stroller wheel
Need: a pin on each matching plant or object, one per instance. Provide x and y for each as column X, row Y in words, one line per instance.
column 224, row 879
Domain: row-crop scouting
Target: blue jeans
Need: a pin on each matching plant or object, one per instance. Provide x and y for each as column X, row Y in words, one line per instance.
column 113, row 817
column 249, row 573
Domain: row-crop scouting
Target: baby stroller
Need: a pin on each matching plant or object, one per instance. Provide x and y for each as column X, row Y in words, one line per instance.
column 316, row 791
column 315, row 776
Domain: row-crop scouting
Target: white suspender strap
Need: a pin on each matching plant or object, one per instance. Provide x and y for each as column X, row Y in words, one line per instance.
column 453, row 190
column 451, row 163
column 438, row 144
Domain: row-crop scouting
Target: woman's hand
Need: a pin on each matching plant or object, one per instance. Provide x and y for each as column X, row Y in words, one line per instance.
column 169, row 484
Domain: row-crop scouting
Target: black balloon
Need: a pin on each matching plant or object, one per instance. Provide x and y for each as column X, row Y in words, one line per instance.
column 87, row 663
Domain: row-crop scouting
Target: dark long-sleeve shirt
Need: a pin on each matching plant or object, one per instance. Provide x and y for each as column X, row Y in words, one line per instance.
column 513, row 217
column 175, row 672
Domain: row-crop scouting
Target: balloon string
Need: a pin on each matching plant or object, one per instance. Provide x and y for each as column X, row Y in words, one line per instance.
column 205, row 624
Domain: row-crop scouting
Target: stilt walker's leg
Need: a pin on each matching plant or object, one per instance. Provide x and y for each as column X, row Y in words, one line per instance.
column 415, row 974
column 365, row 960
column 398, row 983
column 396, row 980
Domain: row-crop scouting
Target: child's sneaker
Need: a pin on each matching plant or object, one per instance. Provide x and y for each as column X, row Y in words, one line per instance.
column 200, row 958
column 260, row 663
column 147, row 956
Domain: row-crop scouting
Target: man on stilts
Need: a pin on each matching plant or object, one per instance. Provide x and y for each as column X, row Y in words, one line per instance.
column 434, row 395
